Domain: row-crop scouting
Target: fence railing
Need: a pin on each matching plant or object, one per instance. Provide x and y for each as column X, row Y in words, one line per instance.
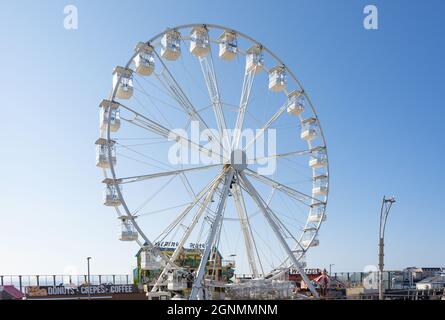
column 22, row 281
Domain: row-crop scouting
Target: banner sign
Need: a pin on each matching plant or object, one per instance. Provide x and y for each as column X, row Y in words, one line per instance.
column 173, row 244
column 45, row 291
column 294, row 271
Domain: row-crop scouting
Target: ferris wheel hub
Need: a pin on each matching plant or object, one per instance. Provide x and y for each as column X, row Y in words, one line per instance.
column 238, row 160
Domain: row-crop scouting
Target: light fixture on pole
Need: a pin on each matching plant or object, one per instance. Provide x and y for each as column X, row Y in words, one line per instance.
column 88, row 265
column 330, row 269
column 384, row 212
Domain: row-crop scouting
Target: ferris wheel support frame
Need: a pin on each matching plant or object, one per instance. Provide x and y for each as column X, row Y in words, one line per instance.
column 265, row 210
column 197, row 285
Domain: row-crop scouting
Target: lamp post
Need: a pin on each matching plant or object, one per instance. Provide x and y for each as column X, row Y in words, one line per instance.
column 88, row 265
column 330, row 273
column 330, row 269
column 384, row 212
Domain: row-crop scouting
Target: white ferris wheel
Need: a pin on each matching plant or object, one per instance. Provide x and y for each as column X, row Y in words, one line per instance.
column 208, row 142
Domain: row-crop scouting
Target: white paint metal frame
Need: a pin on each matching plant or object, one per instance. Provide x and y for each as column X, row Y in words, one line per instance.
column 235, row 178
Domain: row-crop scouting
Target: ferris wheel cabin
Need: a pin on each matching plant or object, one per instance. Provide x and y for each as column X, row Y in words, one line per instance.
column 123, row 80
column 128, row 233
column 110, row 195
column 150, row 261
column 171, row 45
column 199, row 43
column 309, row 129
column 320, row 185
column 228, row 46
column 317, row 211
column 254, row 59
column 144, row 60
column 109, row 112
column 295, row 104
column 277, row 79
column 102, row 147
column 319, row 159
column 176, row 280
column 308, row 239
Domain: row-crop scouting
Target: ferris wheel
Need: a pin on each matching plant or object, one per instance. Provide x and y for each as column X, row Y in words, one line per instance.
column 209, row 144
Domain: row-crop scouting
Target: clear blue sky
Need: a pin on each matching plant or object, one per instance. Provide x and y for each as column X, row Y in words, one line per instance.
column 379, row 96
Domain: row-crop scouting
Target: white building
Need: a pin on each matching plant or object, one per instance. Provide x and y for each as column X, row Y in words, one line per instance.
column 436, row 282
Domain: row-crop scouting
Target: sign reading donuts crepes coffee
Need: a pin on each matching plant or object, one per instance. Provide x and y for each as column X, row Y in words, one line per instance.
column 46, row 291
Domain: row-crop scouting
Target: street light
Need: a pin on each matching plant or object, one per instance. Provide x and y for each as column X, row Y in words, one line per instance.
column 384, row 212
column 88, row 264
column 330, row 273
column 330, row 269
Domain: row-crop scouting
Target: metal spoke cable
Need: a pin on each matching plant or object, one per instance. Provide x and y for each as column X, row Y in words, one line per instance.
column 300, row 196
column 145, row 156
column 140, row 161
column 164, row 210
column 153, row 196
column 182, row 216
column 145, row 123
column 267, row 125
column 155, row 106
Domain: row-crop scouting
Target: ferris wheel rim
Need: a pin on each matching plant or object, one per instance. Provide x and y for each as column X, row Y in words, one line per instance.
column 274, row 56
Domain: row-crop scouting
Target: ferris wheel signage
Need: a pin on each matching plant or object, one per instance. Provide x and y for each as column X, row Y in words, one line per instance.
column 173, row 244
column 294, row 271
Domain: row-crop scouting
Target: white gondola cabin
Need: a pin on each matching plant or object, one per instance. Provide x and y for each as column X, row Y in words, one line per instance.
column 110, row 196
column 144, row 60
column 102, row 153
column 150, row 261
column 109, row 111
column 199, row 41
column 277, row 79
column 127, row 233
column 123, row 80
column 158, row 295
column 177, row 280
column 307, row 243
column 317, row 213
column 254, row 59
column 318, row 158
column 309, row 129
column 320, row 187
column 228, row 46
column 308, row 239
column 295, row 103
column 171, row 45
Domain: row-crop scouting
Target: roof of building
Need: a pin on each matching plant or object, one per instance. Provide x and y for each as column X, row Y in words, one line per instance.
column 12, row 291
column 435, row 279
column 420, row 269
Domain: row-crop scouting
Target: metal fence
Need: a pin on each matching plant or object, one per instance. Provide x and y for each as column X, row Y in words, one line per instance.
column 22, row 281
column 391, row 279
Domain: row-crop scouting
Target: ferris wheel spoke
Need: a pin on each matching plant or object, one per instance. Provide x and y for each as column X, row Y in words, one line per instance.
column 276, row 229
column 249, row 76
column 139, row 178
column 184, row 213
column 154, row 127
column 169, row 82
column 209, row 74
column 197, row 284
column 245, row 227
column 282, row 155
column 298, row 195
column 267, row 125
column 189, row 229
